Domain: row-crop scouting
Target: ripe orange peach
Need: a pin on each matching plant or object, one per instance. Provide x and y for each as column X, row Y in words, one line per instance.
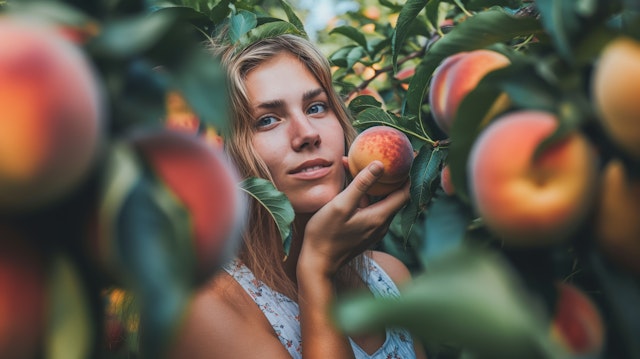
column 206, row 184
column 388, row 145
column 617, row 229
column 526, row 200
column 445, row 181
column 52, row 113
column 615, row 86
column 455, row 77
column 576, row 323
column 22, row 302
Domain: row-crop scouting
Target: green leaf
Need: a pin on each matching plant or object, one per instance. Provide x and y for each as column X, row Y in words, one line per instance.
column 374, row 116
column 240, row 24
column 363, row 102
column 267, row 30
column 292, row 17
column 347, row 56
column 425, row 173
column 408, row 14
column 562, row 22
column 202, row 81
column 275, row 202
column 445, row 226
column 70, row 332
column 125, row 38
column 471, row 297
column 353, row 34
column 188, row 14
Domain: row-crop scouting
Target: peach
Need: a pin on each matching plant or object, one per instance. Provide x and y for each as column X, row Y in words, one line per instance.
column 617, row 229
column 458, row 75
column 202, row 181
column 405, row 76
column 576, row 323
column 22, row 302
column 52, row 113
column 615, row 85
column 445, row 181
column 525, row 200
column 388, row 145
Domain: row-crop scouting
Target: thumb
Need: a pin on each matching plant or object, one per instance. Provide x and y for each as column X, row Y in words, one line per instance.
column 361, row 183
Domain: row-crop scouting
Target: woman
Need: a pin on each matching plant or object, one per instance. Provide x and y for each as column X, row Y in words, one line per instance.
column 289, row 126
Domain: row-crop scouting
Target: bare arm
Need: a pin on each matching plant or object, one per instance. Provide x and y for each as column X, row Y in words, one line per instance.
column 341, row 230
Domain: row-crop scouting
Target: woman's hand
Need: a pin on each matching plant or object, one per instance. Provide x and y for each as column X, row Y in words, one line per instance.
column 348, row 224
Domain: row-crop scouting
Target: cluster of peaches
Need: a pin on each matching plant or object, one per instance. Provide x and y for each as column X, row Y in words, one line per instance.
column 530, row 196
column 55, row 144
column 535, row 199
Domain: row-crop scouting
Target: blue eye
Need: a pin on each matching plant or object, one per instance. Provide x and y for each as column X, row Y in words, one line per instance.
column 317, row 108
column 265, row 121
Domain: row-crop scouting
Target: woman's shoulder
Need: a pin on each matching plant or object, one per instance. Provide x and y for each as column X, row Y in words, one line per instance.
column 216, row 314
column 395, row 269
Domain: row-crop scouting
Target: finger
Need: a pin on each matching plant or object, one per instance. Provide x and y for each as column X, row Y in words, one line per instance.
column 390, row 204
column 361, row 183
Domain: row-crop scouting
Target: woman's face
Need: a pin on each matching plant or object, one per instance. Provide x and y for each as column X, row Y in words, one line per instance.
column 296, row 133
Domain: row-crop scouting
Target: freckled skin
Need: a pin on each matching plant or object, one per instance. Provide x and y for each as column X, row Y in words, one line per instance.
column 389, row 146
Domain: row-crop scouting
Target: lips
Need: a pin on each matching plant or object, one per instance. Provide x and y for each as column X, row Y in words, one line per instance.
column 311, row 166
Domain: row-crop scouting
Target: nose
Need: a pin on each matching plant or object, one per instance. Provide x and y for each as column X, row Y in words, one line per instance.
column 304, row 133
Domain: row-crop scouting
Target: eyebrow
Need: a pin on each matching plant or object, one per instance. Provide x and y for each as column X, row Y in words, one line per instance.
column 311, row 94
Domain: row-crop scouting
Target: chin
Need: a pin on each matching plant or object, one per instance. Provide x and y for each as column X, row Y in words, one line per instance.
column 313, row 199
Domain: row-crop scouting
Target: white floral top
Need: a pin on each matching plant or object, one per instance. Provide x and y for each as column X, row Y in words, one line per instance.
column 284, row 314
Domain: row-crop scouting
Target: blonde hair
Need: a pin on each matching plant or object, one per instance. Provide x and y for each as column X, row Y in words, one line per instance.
column 262, row 241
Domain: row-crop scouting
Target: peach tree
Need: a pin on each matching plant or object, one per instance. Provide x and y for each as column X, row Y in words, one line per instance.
column 522, row 229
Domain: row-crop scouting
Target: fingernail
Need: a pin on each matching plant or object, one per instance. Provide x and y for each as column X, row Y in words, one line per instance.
column 376, row 168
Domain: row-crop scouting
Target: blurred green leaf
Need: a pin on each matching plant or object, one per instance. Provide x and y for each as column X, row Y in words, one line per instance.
column 202, row 81
column 70, row 332
column 468, row 296
column 445, row 226
column 275, row 202
column 562, row 22
column 124, row 38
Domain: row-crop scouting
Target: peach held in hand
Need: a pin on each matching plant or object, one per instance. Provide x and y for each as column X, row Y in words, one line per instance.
column 387, row 145
column 526, row 200
column 458, row 75
column 51, row 115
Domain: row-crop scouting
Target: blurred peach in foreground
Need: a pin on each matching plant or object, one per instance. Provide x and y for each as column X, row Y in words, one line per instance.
column 51, row 115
